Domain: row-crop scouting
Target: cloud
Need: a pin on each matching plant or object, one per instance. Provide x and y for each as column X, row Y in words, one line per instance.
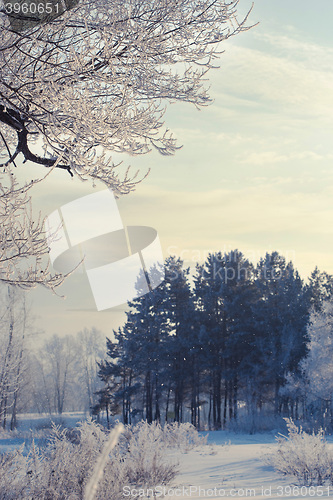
column 249, row 175
column 256, row 219
column 270, row 157
column 318, row 56
column 277, row 80
column 233, row 212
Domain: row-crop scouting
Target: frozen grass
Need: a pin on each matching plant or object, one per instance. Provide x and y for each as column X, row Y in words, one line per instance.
column 147, row 455
column 62, row 469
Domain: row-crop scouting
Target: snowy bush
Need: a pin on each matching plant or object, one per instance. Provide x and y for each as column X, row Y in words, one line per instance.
column 145, row 447
column 183, row 436
column 13, row 474
column 304, row 456
column 146, row 460
column 59, row 470
column 62, row 469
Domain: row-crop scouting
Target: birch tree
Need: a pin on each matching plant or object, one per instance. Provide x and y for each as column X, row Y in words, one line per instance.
column 22, row 241
column 13, row 366
column 317, row 367
column 89, row 345
column 58, row 362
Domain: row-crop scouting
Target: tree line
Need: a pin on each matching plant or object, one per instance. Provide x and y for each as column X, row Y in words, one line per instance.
column 55, row 375
column 204, row 346
column 226, row 341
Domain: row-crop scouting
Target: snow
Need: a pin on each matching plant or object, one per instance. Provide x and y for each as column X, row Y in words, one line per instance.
column 230, row 465
column 10, row 444
column 235, row 470
column 35, row 421
column 35, row 426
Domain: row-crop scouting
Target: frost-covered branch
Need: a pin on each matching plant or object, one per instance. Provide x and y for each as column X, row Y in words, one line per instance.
column 95, row 81
column 22, row 240
column 78, row 87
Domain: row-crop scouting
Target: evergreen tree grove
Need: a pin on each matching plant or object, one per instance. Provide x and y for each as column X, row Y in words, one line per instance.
column 198, row 348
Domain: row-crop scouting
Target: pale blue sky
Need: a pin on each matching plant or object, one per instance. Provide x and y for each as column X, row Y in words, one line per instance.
column 255, row 171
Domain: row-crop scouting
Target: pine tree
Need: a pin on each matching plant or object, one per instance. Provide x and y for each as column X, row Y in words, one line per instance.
column 153, row 356
column 117, row 373
column 319, row 289
column 182, row 351
column 281, row 317
column 240, row 296
column 223, row 289
column 209, row 302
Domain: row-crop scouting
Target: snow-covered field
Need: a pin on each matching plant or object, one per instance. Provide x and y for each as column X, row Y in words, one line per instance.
column 235, row 470
column 35, row 427
column 230, row 466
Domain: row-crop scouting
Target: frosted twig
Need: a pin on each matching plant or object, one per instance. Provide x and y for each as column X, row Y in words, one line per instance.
column 97, row 475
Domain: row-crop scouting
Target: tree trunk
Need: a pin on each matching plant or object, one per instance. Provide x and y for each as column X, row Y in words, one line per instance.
column 167, row 405
column 157, row 415
column 225, row 404
column 210, row 410
column 107, row 414
column 276, row 397
column 235, row 398
column 149, row 402
column 230, row 400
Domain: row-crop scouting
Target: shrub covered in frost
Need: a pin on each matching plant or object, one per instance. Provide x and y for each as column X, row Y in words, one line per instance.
column 60, row 471
column 14, row 470
column 63, row 468
column 183, row 436
column 145, row 455
column 304, row 456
